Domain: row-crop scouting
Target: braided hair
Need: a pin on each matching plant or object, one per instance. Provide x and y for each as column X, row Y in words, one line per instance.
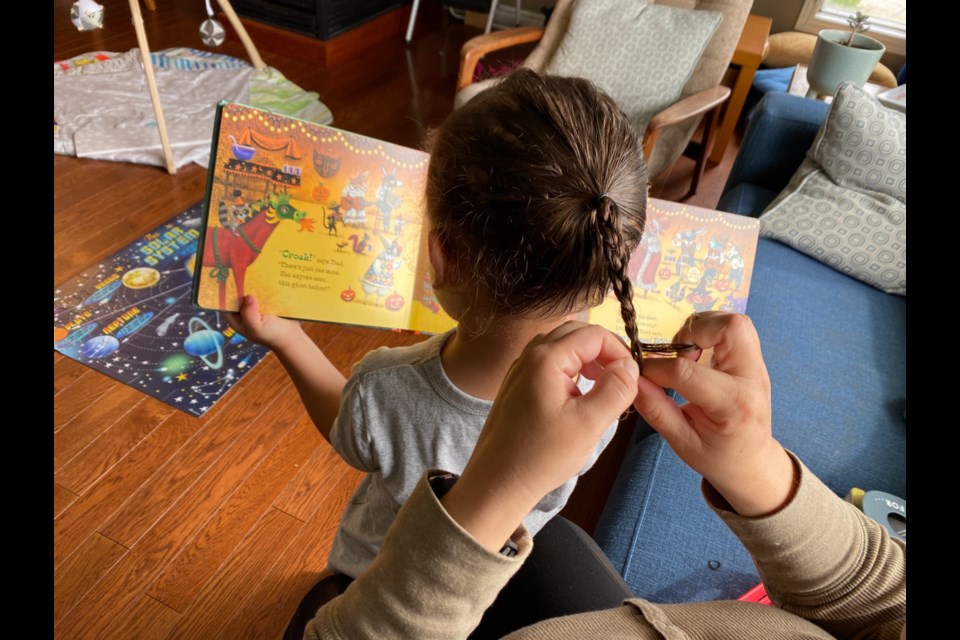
column 539, row 188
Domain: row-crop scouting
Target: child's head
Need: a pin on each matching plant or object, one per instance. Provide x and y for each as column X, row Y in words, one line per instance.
column 537, row 189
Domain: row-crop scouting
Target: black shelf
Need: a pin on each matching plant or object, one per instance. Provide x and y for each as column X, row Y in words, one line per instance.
column 323, row 19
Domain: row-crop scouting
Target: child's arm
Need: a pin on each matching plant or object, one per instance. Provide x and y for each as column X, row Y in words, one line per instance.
column 318, row 381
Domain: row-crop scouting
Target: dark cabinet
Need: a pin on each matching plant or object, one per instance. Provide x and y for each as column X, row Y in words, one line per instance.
column 323, row 19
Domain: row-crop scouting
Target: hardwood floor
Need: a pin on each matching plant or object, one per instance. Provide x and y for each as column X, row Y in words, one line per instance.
column 169, row 526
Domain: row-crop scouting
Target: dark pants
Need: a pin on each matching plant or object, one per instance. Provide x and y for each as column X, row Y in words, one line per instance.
column 566, row 573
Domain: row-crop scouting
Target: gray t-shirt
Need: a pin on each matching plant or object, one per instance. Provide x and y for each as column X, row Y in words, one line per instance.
column 399, row 415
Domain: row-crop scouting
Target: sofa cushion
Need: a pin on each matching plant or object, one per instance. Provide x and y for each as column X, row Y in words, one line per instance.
column 641, row 54
column 746, row 199
column 846, row 203
column 863, row 144
column 835, row 351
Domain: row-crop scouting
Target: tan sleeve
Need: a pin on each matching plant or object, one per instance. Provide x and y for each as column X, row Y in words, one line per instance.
column 822, row 559
column 430, row 580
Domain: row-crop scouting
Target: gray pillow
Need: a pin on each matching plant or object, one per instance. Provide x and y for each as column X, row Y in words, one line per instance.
column 847, row 203
column 863, row 144
column 641, row 54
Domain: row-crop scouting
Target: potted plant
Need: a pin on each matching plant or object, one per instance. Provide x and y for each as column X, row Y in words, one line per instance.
column 843, row 55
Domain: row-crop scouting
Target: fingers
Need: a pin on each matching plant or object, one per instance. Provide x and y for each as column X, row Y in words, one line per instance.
column 250, row 310
column 614, row 390
column 713, row 390
column 659, row 410
column 580, row 347
column 736, row 346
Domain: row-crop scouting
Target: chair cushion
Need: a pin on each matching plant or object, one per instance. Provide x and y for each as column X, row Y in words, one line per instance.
column 641, row 54
column 846, row 204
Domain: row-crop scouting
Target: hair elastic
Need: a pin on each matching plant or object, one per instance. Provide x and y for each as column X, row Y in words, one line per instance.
column 600, row 198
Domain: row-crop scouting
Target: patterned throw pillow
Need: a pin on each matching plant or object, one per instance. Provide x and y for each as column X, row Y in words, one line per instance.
column 847, row 203
column 641, row 54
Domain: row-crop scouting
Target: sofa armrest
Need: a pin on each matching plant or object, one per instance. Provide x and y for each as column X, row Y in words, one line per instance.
column 779, row 132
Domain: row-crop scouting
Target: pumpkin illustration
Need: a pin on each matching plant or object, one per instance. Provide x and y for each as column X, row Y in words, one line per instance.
column 321, row 193
column 665, row 273
column 394, row 302
column 348, row 294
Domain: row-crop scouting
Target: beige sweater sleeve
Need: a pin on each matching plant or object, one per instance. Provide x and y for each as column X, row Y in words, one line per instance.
column 822, row 559
column 833, row 571
column 430, row 580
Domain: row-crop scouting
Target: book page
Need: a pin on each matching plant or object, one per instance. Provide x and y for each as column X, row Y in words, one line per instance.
column 318, row 223
column 689, row 260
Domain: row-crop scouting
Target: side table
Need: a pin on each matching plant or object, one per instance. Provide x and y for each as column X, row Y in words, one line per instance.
column 799, row 85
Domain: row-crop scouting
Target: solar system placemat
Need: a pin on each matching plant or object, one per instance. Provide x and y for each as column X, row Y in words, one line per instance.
column 131, row 318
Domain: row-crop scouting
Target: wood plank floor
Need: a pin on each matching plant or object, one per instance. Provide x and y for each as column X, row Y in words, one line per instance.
column 169, row 526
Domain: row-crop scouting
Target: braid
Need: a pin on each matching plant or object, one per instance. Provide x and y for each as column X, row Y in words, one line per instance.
column 616, row 253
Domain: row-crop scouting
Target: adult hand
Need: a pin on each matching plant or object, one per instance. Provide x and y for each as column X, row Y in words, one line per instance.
column 273, row 332
column 724, row 431
column 542, row 430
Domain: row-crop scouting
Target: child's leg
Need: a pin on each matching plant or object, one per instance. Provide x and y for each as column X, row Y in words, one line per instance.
column 327, row 589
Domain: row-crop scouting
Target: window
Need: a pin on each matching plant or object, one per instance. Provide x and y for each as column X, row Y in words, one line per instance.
column 888, row 19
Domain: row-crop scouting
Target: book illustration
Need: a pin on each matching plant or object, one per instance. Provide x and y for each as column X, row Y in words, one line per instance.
column 318, row 223
column 689, row 260
column 236, row 244
column 327, row 225
column 130, row 317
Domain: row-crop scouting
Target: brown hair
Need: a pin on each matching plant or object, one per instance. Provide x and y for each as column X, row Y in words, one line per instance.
column 539, row 188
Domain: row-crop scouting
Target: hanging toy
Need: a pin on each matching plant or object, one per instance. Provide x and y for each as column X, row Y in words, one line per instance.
column 211, row 31
column 86, row 15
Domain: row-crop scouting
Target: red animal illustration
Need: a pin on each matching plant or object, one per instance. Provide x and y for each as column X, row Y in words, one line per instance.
column 224, row 251
column 360, row 245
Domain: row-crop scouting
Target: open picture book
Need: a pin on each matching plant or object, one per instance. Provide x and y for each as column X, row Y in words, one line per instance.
column 326, row 225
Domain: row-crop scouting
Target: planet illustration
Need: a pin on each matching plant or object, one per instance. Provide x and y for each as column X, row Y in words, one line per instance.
column 59, row 333
column 141, row 278
column 203, row 341
column 99, row 347
column 102, row 295
column 175, row 363
column 77, row 335
column 191, row 263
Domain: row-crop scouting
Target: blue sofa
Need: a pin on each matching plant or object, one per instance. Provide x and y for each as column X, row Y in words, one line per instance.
column 835, row 349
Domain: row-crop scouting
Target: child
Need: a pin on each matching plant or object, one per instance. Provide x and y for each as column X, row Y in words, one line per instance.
column 536, row 197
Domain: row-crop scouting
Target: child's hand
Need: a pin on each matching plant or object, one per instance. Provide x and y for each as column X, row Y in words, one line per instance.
column 273, row 332
column 724, row 431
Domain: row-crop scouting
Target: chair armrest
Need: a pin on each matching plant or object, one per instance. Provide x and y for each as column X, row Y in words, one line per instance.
column 693, row 105
column 477, row 47
column 779, row 132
